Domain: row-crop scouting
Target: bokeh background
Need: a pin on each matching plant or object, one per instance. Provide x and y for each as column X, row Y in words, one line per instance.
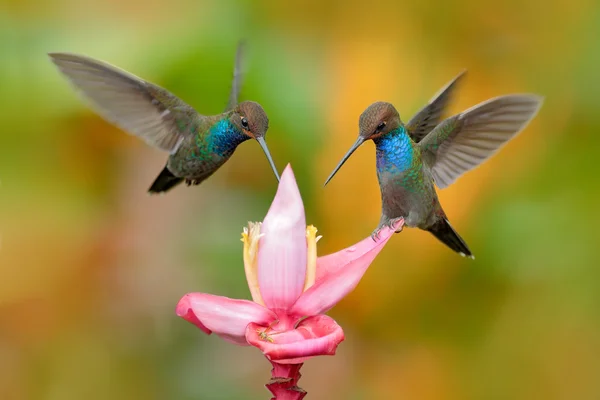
column 91, row 266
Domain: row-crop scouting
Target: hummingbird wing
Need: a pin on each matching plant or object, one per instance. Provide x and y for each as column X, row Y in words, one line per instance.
column 462, row 142
column 430, row 115
column 136, row 106
column 238, row 74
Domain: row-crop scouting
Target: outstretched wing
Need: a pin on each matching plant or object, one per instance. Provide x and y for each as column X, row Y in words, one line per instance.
column 238, row 75
column 430, row 116
column 136, row 106
column 462, row 142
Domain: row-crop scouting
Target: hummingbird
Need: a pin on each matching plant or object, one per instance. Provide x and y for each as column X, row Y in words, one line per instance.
column 411, row 158
column 198, row 144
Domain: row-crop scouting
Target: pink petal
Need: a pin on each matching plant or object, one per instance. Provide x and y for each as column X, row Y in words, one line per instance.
column 225, row 317
column 331, row 263
column 315, row 336
column 282, row 249
column 338, row 274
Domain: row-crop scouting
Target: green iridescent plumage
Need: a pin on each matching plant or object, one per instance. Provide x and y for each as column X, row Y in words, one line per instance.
column 198, row 144
column 427, row 151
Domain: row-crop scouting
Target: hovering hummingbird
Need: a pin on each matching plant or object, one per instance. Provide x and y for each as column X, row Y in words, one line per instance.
column 198, row 144
column 412, row 157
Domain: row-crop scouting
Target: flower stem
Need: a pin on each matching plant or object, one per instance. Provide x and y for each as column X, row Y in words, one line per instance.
column 284, row 380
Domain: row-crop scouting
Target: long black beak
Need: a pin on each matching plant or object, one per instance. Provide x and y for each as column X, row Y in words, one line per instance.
column 263, row 145
column 355, row 146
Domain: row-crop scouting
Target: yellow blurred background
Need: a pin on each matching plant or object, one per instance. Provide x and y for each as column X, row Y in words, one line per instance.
column 91, row 266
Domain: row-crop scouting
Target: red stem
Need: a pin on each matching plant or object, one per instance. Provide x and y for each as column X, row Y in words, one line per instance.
column 284, row 380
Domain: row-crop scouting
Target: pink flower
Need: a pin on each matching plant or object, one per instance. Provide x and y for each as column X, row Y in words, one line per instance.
column 291, row 288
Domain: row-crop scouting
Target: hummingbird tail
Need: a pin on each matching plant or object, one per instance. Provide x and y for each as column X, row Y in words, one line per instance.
column 164, row 182
column 447, row 235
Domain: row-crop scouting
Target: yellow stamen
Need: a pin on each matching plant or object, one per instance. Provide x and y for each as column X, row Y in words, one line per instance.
column 250, row 237
column 311, row 256
column 263, row 334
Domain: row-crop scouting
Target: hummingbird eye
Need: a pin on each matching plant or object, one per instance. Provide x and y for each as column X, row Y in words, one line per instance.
column 244, row 123
column 380, row 127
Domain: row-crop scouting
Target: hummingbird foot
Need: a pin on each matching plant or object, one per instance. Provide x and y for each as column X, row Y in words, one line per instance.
column 375, row 235
column 390, row 224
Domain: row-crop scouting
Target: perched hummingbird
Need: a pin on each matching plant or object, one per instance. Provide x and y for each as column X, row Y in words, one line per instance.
column 412, row 157
column 198, row 144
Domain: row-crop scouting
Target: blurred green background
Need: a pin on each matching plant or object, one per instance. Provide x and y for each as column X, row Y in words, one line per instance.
column 91, row 266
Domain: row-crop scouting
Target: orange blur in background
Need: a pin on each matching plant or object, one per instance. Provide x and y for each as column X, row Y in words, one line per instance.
column 91, row 266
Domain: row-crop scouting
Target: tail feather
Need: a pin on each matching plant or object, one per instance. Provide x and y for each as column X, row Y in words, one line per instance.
column 164, row 182
column 447, row 235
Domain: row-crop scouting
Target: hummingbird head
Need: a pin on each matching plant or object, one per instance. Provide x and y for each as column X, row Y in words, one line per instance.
column 251, row 119
column 378, row 119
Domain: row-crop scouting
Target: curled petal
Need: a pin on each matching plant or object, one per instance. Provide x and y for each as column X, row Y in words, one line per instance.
column 315, row 336
column 225, row 317
column 282, row 249
column 338, row 274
